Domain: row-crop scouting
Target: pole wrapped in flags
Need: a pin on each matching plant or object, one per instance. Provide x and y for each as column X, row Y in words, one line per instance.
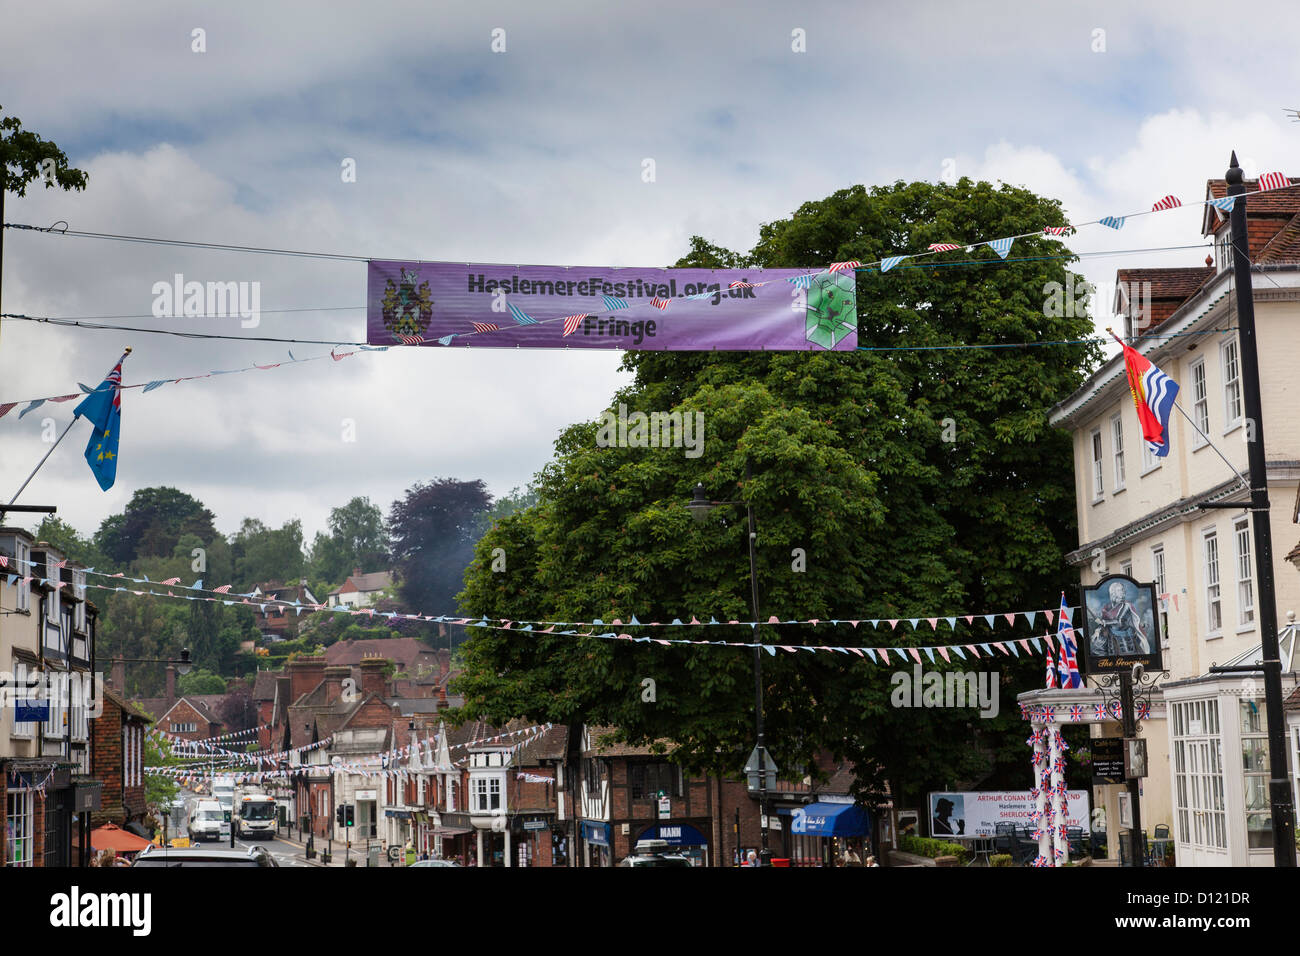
column 103, row 409
column 1153, row 396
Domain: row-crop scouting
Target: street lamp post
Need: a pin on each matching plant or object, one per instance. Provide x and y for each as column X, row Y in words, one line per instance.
column 700, row 506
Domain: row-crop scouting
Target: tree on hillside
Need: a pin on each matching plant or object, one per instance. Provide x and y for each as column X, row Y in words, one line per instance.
column 434, row 527
column 154, row 521
column 517, row 500
column 267, row 554
column 357, row 539
column 910, row 483
column 200, row 682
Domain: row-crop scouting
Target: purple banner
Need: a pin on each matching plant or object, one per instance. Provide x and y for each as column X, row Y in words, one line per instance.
column 595, row 307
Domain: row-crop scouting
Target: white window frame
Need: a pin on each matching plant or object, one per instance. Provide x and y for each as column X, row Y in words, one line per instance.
column 1230, row 366
column 1200, row 402
column 79, row 592
column 1098, row 475
column 1244, row 560
column 1117, row 449
column 19, row 820
column 1213, row 583
column 23, row 556
column 1158, row 576
column 1200, row 810
column 24, row 730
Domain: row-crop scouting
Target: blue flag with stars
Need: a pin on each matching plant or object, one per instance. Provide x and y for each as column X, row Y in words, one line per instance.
column 103, row 409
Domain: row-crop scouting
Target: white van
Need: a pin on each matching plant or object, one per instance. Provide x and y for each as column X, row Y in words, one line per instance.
column 209, row 822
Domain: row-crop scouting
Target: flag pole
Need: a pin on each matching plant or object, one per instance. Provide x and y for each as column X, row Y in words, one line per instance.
column 56, row 442
column 1240, row 477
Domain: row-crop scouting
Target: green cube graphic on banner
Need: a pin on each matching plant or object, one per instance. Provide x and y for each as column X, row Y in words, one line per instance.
column 600, row 307
column 832, row 312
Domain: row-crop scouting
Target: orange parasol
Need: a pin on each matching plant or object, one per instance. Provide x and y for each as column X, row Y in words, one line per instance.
column 110, row 837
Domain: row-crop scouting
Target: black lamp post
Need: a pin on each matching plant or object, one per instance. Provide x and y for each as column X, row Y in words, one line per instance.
column 699, row 507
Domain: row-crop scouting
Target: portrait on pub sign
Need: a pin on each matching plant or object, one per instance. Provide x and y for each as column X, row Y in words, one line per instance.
column 1121, row 626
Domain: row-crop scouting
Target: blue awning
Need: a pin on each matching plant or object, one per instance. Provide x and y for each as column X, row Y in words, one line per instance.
column 831, row 820
column 597, row 833
column 676, row 834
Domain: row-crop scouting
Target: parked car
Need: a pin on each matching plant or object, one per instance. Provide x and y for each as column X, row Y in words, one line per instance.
column 192, row 856
column 435, row 863
column 654, row 853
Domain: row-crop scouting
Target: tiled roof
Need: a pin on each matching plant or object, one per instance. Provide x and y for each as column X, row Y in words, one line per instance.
column 264, row 685
column 373, row 581
column 126, row 706
column 1169, row 283
column 405, row 652
column 1275, row 200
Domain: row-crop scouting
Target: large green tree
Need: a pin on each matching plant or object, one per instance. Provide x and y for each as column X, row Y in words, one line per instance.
column 265, row 554
column 886, row 483
column 434, row 527
column 357, row 538
column 153, row 523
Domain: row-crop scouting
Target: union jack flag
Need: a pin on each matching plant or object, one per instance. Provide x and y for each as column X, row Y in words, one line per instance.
column 1051, row 672
column 1034, row 793
column 1076, row 712
column 571, row 323
column 1169, row 202
column 1273, row 181
column 1041, row 861
column 1049, row 714
column 1070, row 676
column 1143, row 710
column 1101, row 711
column 484, row 327
column 659, row 303
column 843, row 266
column 944, row 247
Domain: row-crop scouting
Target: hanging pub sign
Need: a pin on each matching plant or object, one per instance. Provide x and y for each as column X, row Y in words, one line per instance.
column 1121, row 626
column 599, row 307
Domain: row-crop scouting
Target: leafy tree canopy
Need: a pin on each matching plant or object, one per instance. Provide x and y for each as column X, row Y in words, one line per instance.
column 886, row 484
column 25, row 158
column 434, row 527
column 153, row 523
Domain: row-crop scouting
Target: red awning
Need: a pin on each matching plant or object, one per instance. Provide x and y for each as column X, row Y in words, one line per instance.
column 110, row 837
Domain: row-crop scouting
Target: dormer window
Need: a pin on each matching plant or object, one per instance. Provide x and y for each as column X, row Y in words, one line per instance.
column 1223, row 248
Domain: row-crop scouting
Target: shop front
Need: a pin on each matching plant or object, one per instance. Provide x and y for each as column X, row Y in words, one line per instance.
column 829, row 834
column 685, row 839
column 595, row 836
column 453, row 837
column 531, row 839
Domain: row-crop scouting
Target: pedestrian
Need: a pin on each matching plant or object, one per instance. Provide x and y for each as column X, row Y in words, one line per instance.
column 851, row 857
column 871, row 861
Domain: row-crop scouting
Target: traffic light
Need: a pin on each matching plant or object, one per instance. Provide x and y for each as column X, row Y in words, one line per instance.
column 348, row 815
column 338, row 814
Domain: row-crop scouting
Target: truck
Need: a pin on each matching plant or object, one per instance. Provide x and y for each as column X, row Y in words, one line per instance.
column 254, row 813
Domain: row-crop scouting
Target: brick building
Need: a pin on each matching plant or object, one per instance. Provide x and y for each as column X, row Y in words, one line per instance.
column 117, row 761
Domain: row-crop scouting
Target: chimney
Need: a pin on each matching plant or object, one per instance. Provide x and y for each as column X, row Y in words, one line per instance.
column 118, row 680
column 171, row 685
column 334, row 677
column 444, row 657
column 304, row 674
column 356, row 572
column 372, row 675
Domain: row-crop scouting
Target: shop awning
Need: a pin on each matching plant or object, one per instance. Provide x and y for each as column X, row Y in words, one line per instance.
column 109, row 837
column 831, row 820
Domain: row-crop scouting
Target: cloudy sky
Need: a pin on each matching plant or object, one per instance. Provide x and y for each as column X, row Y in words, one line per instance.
column 532, row 155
